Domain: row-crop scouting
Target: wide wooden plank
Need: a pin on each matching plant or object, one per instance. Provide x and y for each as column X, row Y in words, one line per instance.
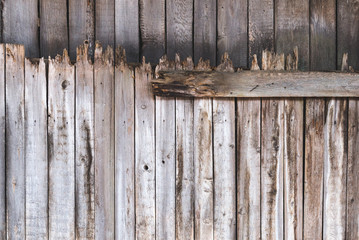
column 61, row 147
column 127, row 28
column 152, row 29
column 20, row 25
column 145, row 154
column 15, row 144
column 53, row 27
column 105, row 22
column 2, row 145
column 81, row 25
column 104, row 143
column 84, row 159
column 36, row 150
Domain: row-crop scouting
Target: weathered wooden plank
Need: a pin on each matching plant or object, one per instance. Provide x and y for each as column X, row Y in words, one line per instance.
column 53, row 27
column 20, row 25
column 81, row 25
column 105, row 22
column 256, row 84
column 15, row 144
column 36, row 150
column 127, row 28
column 204, row 39
column 145, row 154
column 124, row 149
column 232, row 30
column 104, row 84
column 2, row 145
column 61, row 147
column 85, row 176
column 152, row 28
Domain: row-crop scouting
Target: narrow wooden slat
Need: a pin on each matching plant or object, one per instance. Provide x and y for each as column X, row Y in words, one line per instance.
column 15, row 144
column 20, row 25
column 104, row 143
column 36, row 150
column 127, row 27
column 81, row 25
column 85, row 176
column 2, row 145
column 53, row 27
column 105, row 22
column 124, row 149
column 61, row 147
column 152, row 29
column 145, row 154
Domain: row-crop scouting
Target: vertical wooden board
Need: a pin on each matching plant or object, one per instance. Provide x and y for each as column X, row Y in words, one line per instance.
column 104, row 143
column 145, row 154
column 322, row 35
column 20, row 25
column 127, row 28
column 335, row 169
column 124, row 150
column 232, row 31
column 152, row 27
column 205, row 30
column 81, row 25
column 313, row 172
column 15, row 145
column 2, row 146
column 61, row 147
column 105, row 22
column 36, row 150
column 248, row 169
column 85, row 176
column 179, row 20
column 53, row 27
column 272, row 169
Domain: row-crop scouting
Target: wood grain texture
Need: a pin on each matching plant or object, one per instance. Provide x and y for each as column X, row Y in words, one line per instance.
column 61, row 147
column 20, row 25
column 81, row 26
column 127, row 28
column 145, row 154
column 204, row 39
column 36, row 150
column 124, row 149
column 179, row 20
column 105, row 22
column 2, row 145
column 152, row 29
column 15, row 144
column 104, row 143
column 53, row 27
column 84, row 159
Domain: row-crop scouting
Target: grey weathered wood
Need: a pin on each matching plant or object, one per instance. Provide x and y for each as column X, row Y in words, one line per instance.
column 124, row 149
column 84, row 159
column 53, row 27
column 104, row 84
column 2, row 145
column 105, row 22
column 36, row 150
column 256, row 84
column 179, row 20
column 127, row 28
column 145, row 154
column 81, row 25
column 15, row 144
column 20, row 25
column 61, row 147
column 204, row 39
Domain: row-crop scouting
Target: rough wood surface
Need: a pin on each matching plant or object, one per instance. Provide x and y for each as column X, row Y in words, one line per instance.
column 84, row 159
column 20, row 25
column 145, row 154
column 61, row 147
column 36, row 150
column 53, row 27
column 2, row 145
column 104, row 143
column 105, row 22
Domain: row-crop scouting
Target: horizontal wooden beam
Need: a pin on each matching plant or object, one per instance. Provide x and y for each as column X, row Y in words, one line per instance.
column 256, row 84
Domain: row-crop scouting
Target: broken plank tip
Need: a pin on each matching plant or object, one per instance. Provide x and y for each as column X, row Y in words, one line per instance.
column 120, row 56
column 63, row 59
column 178, row 64
column 82, row 53
column 188, row 64
column 203, row 65
column 103, row 57
column 145, row 67
column 164, row 64
column 226, row 64
column 345, row 66
column 255, row 66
